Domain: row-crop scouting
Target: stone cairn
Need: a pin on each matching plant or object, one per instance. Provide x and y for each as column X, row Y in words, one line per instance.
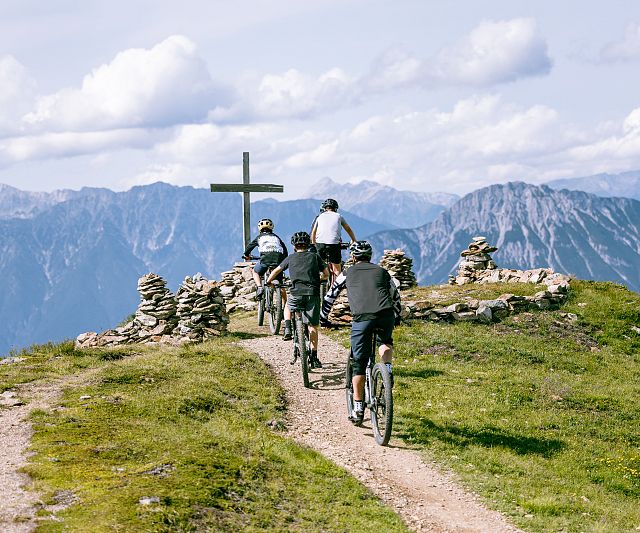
column 238, row 288
column 400, row 267
column 201, row 309
column 556, row 292
column 198, row 314
column 475, row 258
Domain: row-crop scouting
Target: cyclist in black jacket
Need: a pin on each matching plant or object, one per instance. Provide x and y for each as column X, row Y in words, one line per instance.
column 375, row 304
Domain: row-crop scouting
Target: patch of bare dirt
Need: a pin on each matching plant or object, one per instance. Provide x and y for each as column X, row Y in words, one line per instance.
column 426, row 498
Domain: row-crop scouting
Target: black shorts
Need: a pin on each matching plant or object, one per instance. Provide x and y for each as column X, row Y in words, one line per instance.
column 362, row 340
column 330, row 253
column 261, row 269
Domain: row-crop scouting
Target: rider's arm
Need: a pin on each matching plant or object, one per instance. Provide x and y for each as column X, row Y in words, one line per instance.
column 274, row 274
column 250, row 247
column 331, row 296
column 285, row 252
column 324, row 274
column 314, row 229
column 395, row 298
column 348, row 229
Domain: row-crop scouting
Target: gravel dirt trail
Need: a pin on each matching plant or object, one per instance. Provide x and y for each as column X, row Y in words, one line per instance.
column 19, row 504
column 426, row 498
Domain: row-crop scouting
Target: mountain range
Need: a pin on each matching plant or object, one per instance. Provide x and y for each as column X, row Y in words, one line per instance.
column 70, row 260
column 383, row 204
column 533, row 226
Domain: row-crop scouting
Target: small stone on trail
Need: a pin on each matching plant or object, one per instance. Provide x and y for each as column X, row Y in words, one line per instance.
column 148, row 500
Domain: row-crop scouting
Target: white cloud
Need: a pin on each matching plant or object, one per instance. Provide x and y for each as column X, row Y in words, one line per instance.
column 494, row 52
column 161, row 86
column 17, row 93
column 628, row 49
column 621, row 150
column 72, row 144
column 292, row 94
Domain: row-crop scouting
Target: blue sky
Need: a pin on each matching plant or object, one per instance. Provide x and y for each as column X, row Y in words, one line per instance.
column 420, row 95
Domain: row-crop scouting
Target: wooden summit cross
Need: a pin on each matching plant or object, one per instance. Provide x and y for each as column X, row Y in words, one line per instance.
column 246, row 188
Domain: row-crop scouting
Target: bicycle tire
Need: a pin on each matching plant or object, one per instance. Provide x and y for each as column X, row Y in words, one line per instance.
column 261, row 306
column 348, row 386
column 275, row 310
column 303, row 350
column 381, row 403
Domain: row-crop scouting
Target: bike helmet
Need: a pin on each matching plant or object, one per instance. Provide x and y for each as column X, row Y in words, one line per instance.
column 265, row 224
column 301, row 238
column 361, row 250
column 329, row 203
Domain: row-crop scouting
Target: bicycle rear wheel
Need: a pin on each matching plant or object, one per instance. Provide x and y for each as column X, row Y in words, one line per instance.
column 348, row 386
column 303, row 349
column 381, row 404
column 261, row 306
column 275, row 309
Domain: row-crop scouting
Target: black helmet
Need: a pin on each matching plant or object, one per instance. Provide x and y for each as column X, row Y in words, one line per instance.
column 329, row 203
column 301, row 238
column 265, row 224
column 361, row 250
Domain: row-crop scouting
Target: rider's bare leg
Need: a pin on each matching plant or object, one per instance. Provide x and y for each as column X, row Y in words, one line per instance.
column 386, row 353
column 358, row 388
column 335, row 270
column 313, row 337
column 256, row 278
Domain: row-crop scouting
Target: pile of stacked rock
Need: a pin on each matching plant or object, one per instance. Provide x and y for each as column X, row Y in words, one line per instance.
column 238, row 288
column 557, row 287
column 160, row 319
column 201, row 309
column 475, row 259
column 340, row 314
column 400, row 267
column 157, row 309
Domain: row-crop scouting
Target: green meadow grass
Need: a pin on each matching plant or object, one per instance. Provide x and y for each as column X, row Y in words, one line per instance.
column 189, row 430
column 538, row 414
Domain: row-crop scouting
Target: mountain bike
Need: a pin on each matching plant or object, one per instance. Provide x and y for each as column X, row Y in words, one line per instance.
column 270, row 303
column 378, row 394
column 301, row 344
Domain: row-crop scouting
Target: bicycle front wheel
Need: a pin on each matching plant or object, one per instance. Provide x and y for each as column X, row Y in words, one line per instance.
column 381, row 404
column 303, row 350
column 275, row 310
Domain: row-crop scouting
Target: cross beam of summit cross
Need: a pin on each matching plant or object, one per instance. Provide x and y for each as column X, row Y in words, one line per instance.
column 246, row 188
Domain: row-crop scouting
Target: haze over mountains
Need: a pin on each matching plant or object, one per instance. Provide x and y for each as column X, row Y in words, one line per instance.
column 70, row 260
column 626, row 184
column 383, row 204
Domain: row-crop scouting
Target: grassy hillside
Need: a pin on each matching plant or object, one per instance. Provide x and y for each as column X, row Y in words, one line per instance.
column 180, row 440
column 538, row 413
